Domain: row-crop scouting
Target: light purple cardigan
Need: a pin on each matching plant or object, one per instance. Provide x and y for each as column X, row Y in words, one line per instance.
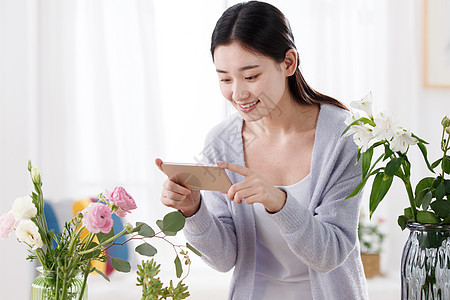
column 324, row 236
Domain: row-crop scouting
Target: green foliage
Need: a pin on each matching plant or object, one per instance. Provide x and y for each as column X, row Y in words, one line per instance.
column 430, row 200
column 152, row 287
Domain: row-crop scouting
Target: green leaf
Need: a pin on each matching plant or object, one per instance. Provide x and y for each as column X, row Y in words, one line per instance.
column 447, row 186
column 193, row 249
column 146, row 249
column 102, row 274
column 393, row 166
column 446, row 164
column 427, row 217
column 446, row 220
column 160, row 224
column 440, row 191
column 178, row 268
column 138, row 226
column 366, row 160
column 363, row 120
column 402, row 220
column 408, row 213
column 426, row 182
column 358, row 188
column 380, row 187
column 436, row 163
column 441, row 208
column 145, row 230
column 387, row 151
column 173, row 222
column 105, row 236
column 427, row 199
column 423, row 149
column 93, row 253
column 120, row 265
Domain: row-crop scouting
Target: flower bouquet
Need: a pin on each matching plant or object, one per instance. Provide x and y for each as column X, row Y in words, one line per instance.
column 371, row 132
column 425, row 268
column 68, row 256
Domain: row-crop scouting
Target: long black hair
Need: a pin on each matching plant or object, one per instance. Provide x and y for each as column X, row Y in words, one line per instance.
column 263, row 28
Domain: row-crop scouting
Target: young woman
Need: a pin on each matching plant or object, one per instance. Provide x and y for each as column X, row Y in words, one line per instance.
column 284, row 225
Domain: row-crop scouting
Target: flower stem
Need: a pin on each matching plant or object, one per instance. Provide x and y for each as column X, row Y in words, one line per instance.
column 111, row 239
column 407, row 183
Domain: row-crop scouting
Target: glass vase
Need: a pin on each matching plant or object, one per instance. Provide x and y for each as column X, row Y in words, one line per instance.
column 43, row 287
column 425, row 268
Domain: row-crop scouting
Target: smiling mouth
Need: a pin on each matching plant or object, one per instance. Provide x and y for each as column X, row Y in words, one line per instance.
column 248, row 105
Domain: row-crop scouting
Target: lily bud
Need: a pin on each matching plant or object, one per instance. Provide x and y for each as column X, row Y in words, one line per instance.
column 448, row 129
column 446, row 122
column 36, row 175
column 29, row 165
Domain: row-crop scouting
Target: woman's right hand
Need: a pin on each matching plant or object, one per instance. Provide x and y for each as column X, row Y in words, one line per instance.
column 178, row 197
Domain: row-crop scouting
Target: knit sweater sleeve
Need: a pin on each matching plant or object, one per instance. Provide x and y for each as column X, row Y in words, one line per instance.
column 212, row 230
column 325, row 234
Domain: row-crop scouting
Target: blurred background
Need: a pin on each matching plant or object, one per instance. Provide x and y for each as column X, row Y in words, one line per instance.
column 93, row 91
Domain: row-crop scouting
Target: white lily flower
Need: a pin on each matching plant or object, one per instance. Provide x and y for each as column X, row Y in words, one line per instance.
column 402, row 140
column 28, row 233
column 363, row 137
column 365, row 104
column 352, row 117
column 24, row 208
column 385, row 128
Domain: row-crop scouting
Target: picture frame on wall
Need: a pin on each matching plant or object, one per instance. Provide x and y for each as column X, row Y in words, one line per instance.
column 436, row 44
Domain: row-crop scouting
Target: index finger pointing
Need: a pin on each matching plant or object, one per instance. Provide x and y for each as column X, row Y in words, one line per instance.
column 235, row 168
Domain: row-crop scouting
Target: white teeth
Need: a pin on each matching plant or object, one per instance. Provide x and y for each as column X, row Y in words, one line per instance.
column 249, row 105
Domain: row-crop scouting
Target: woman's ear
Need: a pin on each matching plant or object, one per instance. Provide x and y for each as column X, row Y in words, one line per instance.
column 290, row 62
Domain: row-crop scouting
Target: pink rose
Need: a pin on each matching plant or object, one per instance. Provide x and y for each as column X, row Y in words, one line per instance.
column 122, row 200
column 97, row 217
column 7, row 222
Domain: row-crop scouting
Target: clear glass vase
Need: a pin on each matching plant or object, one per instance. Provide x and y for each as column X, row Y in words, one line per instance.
column 425, row 268
column 43, row 287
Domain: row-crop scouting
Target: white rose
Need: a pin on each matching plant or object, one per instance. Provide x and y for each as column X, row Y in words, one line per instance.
column 24, row 208
column 28, row 233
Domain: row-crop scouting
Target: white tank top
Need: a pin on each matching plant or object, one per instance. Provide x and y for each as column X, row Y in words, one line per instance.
column 279, row 273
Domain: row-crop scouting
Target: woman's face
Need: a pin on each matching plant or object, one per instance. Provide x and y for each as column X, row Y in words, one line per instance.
column 255, row 84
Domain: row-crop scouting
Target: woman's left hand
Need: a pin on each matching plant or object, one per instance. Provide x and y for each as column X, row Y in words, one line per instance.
column 254, row 189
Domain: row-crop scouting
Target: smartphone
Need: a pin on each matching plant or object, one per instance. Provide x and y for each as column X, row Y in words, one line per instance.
column 198, row 176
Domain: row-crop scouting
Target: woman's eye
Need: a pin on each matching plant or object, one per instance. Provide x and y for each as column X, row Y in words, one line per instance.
column 225, row 80
column 251, row 77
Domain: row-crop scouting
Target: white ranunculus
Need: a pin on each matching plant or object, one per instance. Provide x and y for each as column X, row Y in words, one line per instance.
column 24, row 208
column 365, row 104
column 28, row 233
column 363, row 137
column 402, row 140
column 385, row 128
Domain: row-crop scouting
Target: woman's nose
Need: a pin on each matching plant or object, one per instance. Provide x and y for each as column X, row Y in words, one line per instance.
column 240, row 92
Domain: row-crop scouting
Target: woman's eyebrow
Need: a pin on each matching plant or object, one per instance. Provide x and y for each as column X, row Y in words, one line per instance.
column 240, row 69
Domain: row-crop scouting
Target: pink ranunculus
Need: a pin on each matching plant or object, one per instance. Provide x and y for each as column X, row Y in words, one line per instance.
column 7, row 223
column 122, row 200
column 97, row 217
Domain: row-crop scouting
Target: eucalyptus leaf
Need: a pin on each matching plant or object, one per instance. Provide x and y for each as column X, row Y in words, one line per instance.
column 105, row 236
column 441, row 208
column 146, row 249
column 138, row 226
column 193, row 249
column 146, row 230
column 173, row 222
column 427, row 217
column 102, row 274
column 160, row 224
column 120, row 265
column 178, row 267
